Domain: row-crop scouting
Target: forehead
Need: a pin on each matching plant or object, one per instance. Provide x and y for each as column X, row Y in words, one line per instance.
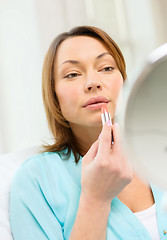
column 79, row 46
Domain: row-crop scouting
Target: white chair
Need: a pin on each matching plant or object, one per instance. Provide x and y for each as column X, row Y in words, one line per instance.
column 9, row 163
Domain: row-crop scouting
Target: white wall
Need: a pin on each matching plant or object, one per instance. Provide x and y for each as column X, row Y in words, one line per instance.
column 26, row 30
column 20, row 76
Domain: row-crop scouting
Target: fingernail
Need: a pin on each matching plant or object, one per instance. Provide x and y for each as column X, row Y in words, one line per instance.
column 109, row 123
column 99, row 136
column 116, row 124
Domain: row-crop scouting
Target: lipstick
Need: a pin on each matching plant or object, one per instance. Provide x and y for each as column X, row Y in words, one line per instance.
column 106, row 117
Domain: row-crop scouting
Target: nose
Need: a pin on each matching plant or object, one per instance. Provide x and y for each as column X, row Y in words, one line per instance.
column 93, row 86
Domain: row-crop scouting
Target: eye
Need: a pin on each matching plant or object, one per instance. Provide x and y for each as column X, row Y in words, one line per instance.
column 107, row 69
column 72, row 75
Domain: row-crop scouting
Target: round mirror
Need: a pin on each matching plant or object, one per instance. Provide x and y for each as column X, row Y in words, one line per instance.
column 144, row 118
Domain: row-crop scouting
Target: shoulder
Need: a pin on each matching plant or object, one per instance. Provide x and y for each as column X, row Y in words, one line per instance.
column 35, row 162
column 45, row 169
column 35, row 165
column 30, row 170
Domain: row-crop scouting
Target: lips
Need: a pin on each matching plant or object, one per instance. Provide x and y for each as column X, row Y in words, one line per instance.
column 96, row 100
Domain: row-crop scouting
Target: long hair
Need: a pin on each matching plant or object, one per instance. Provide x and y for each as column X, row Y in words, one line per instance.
column 59, row 127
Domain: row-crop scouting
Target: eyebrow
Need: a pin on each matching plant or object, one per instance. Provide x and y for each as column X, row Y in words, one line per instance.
column 103, row 54
column 77, row 62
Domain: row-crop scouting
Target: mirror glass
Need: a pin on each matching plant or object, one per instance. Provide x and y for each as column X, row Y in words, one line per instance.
column 144, row 119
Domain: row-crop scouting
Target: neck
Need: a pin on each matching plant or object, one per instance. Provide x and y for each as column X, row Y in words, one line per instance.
column 86, row 136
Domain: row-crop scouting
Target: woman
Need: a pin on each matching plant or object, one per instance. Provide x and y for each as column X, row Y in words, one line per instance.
column 82, row 186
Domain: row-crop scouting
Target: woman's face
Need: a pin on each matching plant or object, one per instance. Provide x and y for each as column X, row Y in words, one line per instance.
column 86, row 77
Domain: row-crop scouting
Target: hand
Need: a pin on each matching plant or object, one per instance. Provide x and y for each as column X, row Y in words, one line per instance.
column 105, row 169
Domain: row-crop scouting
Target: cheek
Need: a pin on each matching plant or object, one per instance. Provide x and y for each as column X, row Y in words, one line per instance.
column 116, row 85
column 67, row 96
column 117, row 93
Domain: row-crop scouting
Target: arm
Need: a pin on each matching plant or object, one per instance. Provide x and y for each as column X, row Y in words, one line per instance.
column 91, row 220
column 105, row 172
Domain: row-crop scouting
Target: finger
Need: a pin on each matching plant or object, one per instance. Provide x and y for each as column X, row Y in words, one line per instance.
column 91, row 154
column 105, row 139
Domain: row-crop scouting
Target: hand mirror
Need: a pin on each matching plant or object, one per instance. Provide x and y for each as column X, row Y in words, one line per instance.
column 144, row 118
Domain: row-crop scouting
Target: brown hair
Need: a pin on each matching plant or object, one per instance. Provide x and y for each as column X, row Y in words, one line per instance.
column 59, row 127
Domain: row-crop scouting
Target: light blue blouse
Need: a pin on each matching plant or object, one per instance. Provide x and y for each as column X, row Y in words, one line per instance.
column 44, row 201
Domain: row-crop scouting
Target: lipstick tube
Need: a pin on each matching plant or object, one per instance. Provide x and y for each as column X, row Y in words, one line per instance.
column 106, row 117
